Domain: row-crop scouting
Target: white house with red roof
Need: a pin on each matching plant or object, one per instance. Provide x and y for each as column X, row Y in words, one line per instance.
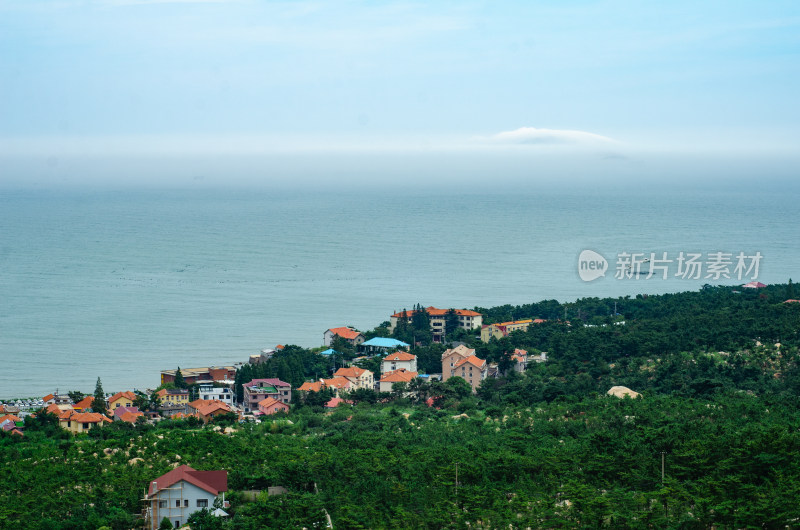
column 399, row 360
column 351, row 335
column 179, row 493
column 388, row 379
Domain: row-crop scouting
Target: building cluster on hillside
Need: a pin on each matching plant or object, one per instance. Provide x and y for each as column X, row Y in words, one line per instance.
column 214, row 385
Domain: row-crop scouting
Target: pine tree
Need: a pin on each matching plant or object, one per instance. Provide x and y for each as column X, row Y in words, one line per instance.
column 180, row 382
column 99, row 401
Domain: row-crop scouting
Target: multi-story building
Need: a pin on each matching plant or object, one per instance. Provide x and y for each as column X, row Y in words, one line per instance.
column 462, row 362
column 220, row 393
column 260, row 389
column 179, row 493
column 502, row 329
column 121, row 399
column 358, row 377
column 399, row 360
column 467, row 319
column 173, row 396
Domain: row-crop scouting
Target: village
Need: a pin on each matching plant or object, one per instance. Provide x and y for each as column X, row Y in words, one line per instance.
column 213, row 386
column 208, row 393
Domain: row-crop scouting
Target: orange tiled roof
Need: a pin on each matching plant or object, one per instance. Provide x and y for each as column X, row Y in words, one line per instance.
column 398, row 376
column 87, row 417
column 792, row 301
column 131, row 417
column 311, row 386
column 209, row 406
column 350, row 371
column 85, row 403
column 9, row 417
column 345, row 332
column 269, row 402
column 336, row 382
column 400, row 356
column 127, row 394
column 48, row 397
column 472, row 360
column 459, row 350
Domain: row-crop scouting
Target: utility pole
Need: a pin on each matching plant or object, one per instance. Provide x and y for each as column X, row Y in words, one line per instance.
column 666, row 513
column 456, row 481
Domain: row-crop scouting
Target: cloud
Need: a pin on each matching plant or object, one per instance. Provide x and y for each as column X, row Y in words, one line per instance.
column 535, row 136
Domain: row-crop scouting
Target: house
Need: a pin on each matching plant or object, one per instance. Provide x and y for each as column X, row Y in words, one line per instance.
column 335, row 384
column 208, row 391
column 127, row 414
column 174, row 411
column 196, row 375
column 502, row 329
column 84, row 405
column 121, row 399
column 349, row 334
column 179, row 493
column 79, row 422
column 173, row 396
column 388, row 379
column 207, row 410
column 381, row 345
column 467, row 319
column 329, row 351
column 399, row 360
column 271, row 406
column 260, row 389
column 358, row 377
column 311, row 386
column 462, row 362
column 520, row 359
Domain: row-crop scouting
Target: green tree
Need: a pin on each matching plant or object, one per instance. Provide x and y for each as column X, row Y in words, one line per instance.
column 99, row 401
column 180, row 382
column 166, row 524
column 450, row 322
column 75, row 396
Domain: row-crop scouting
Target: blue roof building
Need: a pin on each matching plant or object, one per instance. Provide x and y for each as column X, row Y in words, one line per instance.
column 381, row 345
column 329, row 351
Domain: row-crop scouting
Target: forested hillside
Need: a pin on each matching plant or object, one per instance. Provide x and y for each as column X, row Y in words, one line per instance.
column 719, row 378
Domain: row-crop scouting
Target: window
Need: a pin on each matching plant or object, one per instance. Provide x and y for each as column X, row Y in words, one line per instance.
column 186, row 503
column 162, row 504
column 177, row 523
column 202, row 503
column 85, row 425
column 177, row 503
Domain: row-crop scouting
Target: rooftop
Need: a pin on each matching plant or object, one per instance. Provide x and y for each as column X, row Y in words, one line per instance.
column 382, row 342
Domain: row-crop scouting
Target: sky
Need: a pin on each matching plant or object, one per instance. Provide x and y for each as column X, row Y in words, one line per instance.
column 201, row 89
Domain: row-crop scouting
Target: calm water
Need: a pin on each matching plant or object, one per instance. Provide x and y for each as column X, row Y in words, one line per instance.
column 123, row 284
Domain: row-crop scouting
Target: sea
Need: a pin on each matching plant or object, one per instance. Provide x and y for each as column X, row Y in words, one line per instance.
column 119, row 284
